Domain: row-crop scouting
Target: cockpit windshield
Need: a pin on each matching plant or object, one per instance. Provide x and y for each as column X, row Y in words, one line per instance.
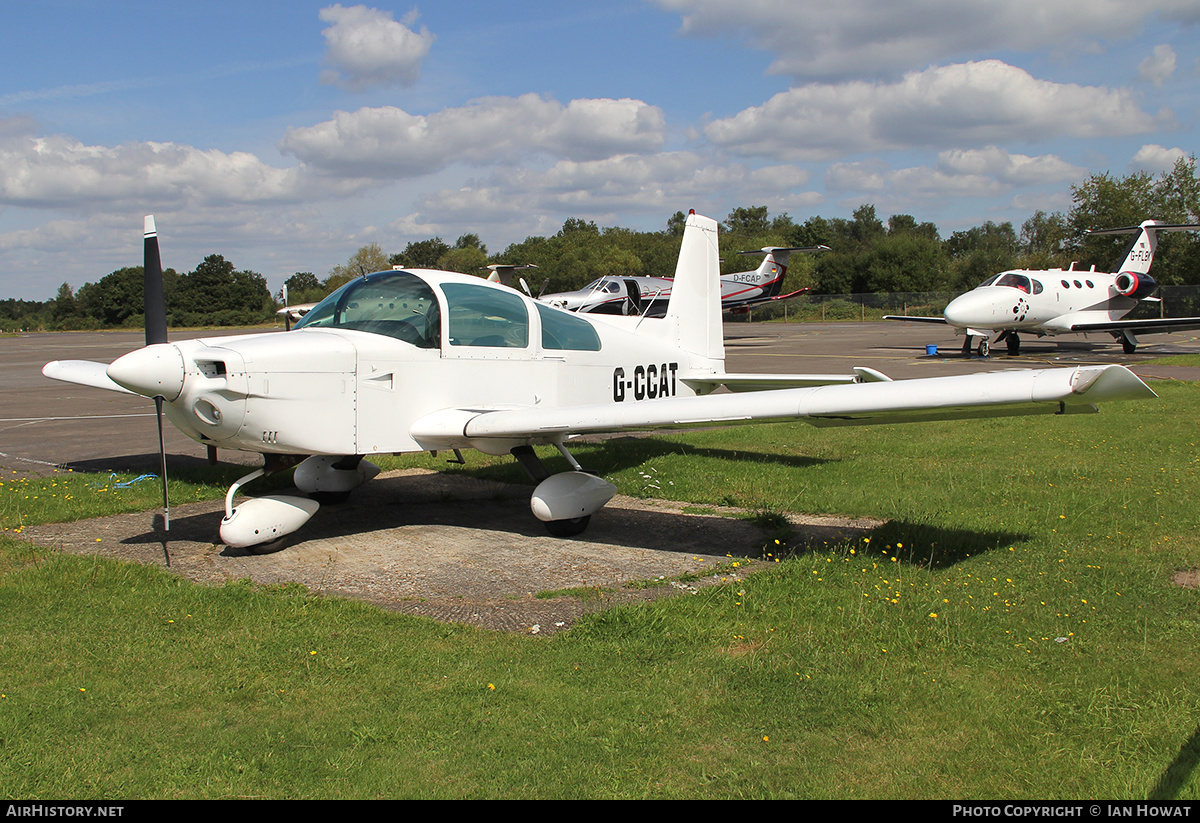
column 603, row 284
column 392, row 303
column 1014, row 281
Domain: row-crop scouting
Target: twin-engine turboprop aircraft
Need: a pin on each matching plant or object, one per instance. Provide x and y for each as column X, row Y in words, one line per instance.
column 422, row 360
column 649, row 296
column 1064, row 301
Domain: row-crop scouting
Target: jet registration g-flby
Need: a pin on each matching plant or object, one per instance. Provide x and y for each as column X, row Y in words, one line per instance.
column 422, row 360
column 1064, row 301
column 649, row 296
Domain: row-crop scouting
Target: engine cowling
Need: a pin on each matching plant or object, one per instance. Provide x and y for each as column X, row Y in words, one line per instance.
column 1135, row 284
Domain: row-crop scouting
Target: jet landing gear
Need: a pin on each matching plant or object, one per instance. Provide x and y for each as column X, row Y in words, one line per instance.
column 1129, row 343
column 983, row 349
column 1013, row 341
column 564, row 502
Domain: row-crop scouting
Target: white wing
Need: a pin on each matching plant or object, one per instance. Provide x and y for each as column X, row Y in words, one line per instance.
column 997, row 394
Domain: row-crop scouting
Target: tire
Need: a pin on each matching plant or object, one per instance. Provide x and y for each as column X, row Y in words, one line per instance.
column 568, row 528
column 984, row 348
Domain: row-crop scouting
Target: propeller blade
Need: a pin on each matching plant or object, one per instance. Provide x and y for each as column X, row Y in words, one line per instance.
column 152, row 286
column 156, row 332
column 162, row 463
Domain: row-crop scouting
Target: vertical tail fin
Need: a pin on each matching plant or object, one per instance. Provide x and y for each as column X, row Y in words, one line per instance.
column 1141, row 252
column 694, row 311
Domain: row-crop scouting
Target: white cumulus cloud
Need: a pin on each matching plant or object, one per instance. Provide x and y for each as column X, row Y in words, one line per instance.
column 389, row 142
column 967, row 104
column 1154, row 158
column 57, row 170
column 1158, row 66
column 815, row 40
column 366, row 47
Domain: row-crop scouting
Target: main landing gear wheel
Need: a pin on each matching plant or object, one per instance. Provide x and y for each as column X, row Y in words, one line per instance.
column 1014, row 345
column 568, row 528
column 1127, row 347
column 984, row 349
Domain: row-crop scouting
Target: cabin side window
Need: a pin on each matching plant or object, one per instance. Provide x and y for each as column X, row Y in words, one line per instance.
column 562, row 330
column 486, row 316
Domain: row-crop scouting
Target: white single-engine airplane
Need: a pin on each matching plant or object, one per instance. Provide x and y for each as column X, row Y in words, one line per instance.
column 422, row 360
column 1064, row 301
column 649, row 296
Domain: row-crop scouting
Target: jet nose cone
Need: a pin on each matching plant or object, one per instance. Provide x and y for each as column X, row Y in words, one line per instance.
column 967, row 310
column 155, row 371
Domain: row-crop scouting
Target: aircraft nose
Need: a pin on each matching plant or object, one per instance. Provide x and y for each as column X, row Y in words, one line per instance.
column 970, row 309
column 155, row 371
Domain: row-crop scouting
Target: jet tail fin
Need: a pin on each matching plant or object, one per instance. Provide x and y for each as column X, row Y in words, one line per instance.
column 694, row 310
column 1141, row 252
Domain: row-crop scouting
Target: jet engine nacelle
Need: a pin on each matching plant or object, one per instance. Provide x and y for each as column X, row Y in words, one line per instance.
column 570, row 495
column 1136, row 285
column 263, row 519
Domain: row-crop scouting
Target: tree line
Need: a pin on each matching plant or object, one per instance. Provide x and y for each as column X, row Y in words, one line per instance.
column 867, row 255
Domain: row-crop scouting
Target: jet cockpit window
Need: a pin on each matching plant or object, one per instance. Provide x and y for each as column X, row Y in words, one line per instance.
column 1016, row 281
column 989, row 281
column 604, row 285
column 392, row 303
column 486, row 316
column 564, row 330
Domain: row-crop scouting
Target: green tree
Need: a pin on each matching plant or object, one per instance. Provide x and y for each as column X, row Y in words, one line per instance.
column 421, row 254
column 369, row 258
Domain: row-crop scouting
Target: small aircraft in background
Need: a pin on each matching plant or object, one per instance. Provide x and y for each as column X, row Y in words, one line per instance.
column 424, row 360
column 649, row 296
column 1064, row 301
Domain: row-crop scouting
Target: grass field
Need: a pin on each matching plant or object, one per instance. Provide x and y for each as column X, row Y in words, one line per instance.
column 1015, row 631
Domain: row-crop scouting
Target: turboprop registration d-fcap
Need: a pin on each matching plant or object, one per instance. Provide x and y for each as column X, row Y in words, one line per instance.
column 649, row 296
column 1064, row 301
column 422, row 360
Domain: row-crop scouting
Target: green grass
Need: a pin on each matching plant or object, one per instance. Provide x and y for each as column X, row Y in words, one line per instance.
column 1178, row 360
column 1013, row 632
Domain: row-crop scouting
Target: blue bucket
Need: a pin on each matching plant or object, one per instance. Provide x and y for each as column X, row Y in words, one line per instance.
column 931, row 350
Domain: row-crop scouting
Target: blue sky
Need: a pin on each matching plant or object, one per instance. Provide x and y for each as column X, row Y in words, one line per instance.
column 285, row 135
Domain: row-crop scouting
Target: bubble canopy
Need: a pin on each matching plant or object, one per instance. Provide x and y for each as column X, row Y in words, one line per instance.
column 392, row 303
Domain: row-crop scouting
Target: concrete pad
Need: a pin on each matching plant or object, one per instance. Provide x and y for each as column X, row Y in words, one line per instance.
column 454, row 548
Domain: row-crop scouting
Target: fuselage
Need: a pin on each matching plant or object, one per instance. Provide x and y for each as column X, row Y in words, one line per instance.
column 1045, row 302
column 649, row 295
column 387, row 349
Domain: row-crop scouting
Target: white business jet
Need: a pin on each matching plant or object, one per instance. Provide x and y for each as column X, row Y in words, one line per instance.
column 649, row 296
column 422, row 360
column 1064, row 301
